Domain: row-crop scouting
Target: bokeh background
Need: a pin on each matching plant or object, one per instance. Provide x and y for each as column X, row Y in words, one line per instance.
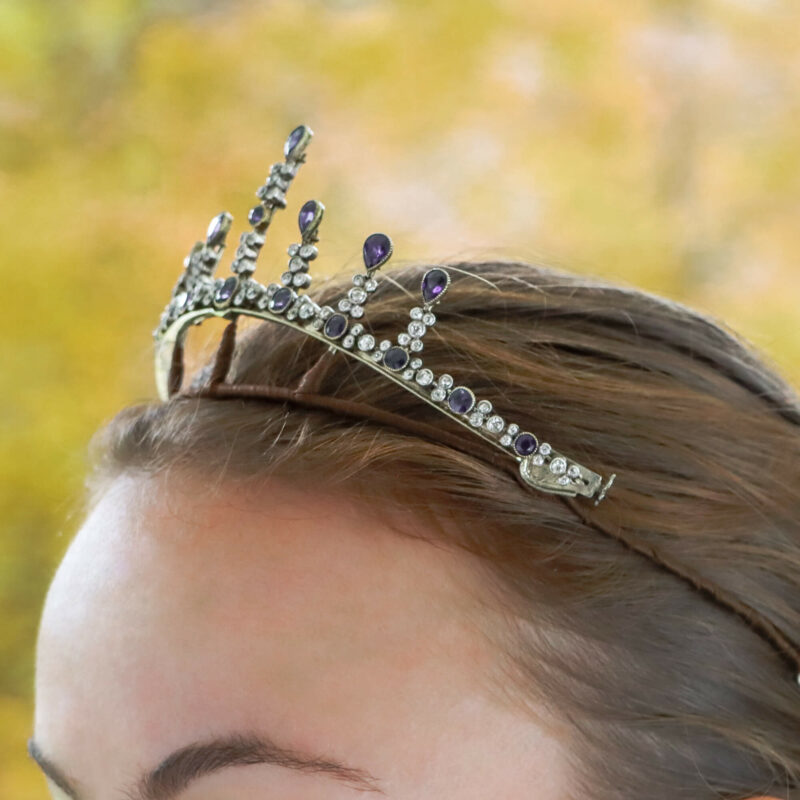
column 655, row 143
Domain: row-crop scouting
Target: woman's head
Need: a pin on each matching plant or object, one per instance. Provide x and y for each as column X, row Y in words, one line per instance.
column 249, row 566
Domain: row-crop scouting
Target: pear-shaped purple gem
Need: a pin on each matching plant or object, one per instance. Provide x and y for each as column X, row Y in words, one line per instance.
column 377, row 250
column 461, row 400
column 525, row 444
column 396, row 358
column 306, row 215
column 434, row 284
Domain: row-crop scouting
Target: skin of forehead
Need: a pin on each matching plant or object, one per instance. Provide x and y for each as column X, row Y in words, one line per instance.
column 180, row 613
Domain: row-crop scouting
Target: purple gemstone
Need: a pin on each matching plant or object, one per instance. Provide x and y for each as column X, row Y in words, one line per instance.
column 256, row 215
column 294, row 139
column 461, row 400
column 434, row 283
column 307, row 214
column 395, row 358
column 218, row 228
column 335, row 326
column 225, row 292
column 281, row 299
column 525, row 444
column 377, row 250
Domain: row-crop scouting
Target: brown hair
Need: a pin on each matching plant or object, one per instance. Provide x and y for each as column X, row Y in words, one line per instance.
column 666, row 693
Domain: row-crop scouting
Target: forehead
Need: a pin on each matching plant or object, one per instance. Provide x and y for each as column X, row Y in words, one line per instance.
column 178, row 613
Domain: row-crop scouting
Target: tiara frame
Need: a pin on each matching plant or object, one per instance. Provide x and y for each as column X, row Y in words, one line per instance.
column 197, row 296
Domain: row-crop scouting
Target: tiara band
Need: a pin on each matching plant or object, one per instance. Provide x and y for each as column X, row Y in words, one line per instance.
column 198, row 295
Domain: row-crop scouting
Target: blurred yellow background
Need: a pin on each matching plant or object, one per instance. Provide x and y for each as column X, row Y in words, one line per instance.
column 652, row 143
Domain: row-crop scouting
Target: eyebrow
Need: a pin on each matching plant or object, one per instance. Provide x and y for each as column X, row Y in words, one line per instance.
column 194, row 761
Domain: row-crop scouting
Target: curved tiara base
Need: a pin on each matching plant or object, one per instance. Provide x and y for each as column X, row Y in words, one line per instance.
column 198, row 296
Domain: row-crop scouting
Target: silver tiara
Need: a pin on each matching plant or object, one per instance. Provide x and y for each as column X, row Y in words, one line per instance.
column 198, row 295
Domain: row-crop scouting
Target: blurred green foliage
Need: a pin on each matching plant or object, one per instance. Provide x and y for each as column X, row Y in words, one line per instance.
column 654, row 143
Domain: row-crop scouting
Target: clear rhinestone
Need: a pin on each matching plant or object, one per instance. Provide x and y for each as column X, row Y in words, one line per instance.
column 356, row 329
column 424, row 377
column 429, row 318
column 476, row 419
column 286, row 278
column 291, row 313
column 297, row 265
column 251, row 292
column 371, row 285
column 385, row 344
column 574, row 471
column 558, row 466
column 316, row 323
column 262, row 301
column 506, row 440
column 325, row 312
column 563, row 480
column 416, row 345
column 358, row 280
column 415, row 313
column 301, row 279
column 308, row 251
column 366, row 342
column 438, row 394
column 306, row 311
column 357, row 295
column 445, row 381
column 416, row 363
column 484, row 406
column 344, row 304
column 513, row 429
column 357, row 311
column 494, row 424
column 238, row 298
column 545, row 449
column 377, row 355
column 538, row 459
column 416, row 329
column 293, row 249
column 403, row 338
column 408, row 374
column 271, row 289
column 348, row 340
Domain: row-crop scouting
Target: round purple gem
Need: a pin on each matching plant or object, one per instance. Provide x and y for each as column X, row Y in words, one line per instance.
column 307, row 214
column 525, row 444
column 396, row 358
column 461, row 400
column 377, row 249
column 434, row 282
column 226, row 290
column 256, row 215
column 294, row 139
column 335, row 326
column 281, row 299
